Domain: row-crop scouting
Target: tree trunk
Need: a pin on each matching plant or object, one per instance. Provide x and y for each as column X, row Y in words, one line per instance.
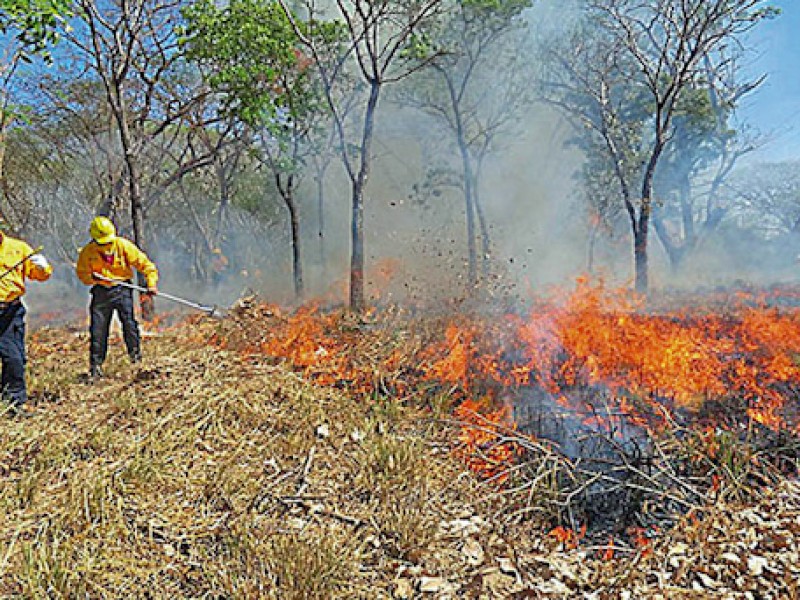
column 486, row 241
column 224, row 201
column 675, row 252
column 640, row 261
column 642, row 229
column 286, row 190
column 469, row 181
column 297, row 265
column 110, row 205
column 687, row 213
column 594, row 229
column 357, row 228
column 116, row 97
column 469, row 206
column 287, row 193
column 640, row 258
column 321, row 222
column 137, row 216
column 357, row 251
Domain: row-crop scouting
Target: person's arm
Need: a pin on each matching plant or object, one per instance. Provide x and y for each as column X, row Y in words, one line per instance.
column 36, row 267
column 83, row 270
column 139, row 261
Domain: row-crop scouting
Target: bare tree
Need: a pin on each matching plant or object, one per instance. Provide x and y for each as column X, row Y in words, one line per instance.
column 700, row 157
column 471, row 99
column 767, row 198
column 634, row 65
column 52, row 170
column 381, row 38
column 132, row 48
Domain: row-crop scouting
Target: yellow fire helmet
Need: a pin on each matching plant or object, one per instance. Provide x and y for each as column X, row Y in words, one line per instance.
column 102, row 230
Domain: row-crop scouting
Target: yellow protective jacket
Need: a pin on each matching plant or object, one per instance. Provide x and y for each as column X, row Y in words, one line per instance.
column 12, row 286
column 115, row 261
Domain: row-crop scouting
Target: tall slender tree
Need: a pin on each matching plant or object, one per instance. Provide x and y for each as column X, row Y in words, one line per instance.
column 707, row 145
column 251, row 55
column 384, row 41
column 133, row 50
column 469, row 98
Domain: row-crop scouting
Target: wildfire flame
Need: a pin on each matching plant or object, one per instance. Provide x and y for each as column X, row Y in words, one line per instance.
column 652, row 364
column 569, row 538
column 602, row 337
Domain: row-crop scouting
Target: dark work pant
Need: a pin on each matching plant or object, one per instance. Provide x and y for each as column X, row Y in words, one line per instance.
column 104, row 302
column 12, row 353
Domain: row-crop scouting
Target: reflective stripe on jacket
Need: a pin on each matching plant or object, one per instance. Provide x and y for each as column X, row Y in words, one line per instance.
column 12, row 286
column 115, row 260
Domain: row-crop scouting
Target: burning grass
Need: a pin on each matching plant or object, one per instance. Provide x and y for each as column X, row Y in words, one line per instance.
column 590, row 409
column 316, row 454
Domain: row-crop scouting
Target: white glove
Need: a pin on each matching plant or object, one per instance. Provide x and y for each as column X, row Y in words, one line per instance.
column 40, row 261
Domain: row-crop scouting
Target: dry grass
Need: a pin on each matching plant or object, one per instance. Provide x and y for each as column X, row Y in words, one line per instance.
column 208, row 474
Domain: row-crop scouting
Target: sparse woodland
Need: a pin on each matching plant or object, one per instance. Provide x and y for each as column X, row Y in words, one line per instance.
column 397, row 402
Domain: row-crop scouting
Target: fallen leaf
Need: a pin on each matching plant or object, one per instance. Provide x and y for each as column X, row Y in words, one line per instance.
column 507, row 566
column 473, row 552
column 432, row 584
column 403, row 589
column 757, row 564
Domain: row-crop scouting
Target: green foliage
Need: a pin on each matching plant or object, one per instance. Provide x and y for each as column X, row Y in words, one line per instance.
column 495, row 9
column 699, row 137
column 765, row 12
column 35, row 23
column 250, row 53
column 695, row 110
column 604, row 90
column 419, row 47
column 462, row 49
column 471, row 24
column 327, row 33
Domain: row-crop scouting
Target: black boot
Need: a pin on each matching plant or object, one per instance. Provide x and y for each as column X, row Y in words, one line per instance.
column 95, row 372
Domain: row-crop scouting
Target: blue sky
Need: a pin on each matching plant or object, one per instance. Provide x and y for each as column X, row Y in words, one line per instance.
column 775, row 108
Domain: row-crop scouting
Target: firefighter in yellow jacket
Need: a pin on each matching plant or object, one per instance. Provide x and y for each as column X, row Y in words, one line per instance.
column 112, row 257
column 18, row 262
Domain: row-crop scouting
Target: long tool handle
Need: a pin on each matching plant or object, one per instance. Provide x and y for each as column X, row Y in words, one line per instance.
column 24, row 260
column 139, row 288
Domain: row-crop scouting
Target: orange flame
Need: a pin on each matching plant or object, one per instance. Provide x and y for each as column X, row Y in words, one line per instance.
column 651, row 364
column 569, row 538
